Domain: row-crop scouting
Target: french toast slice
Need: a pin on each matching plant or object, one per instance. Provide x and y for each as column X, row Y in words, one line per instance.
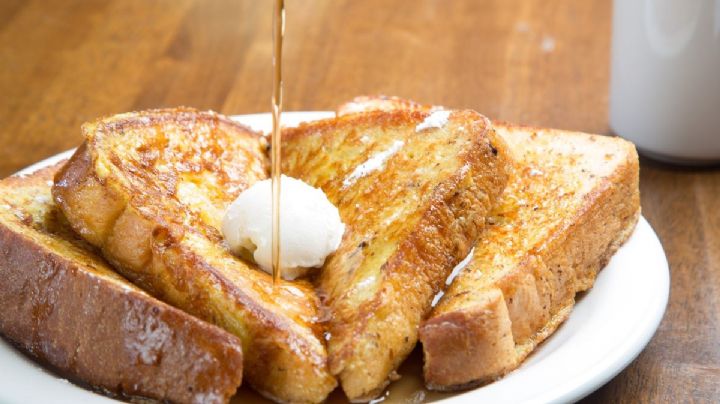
column 571, row 202
column 413, row 197
column 65, row 306
column 149, row 189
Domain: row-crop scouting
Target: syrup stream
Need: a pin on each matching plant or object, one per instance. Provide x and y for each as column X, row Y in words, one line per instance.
column 278, row 33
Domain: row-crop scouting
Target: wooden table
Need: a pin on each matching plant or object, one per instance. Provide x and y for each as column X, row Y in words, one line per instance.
column 537, row 62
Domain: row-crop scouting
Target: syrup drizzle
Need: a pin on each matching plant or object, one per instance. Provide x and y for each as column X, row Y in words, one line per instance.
column 278, row 33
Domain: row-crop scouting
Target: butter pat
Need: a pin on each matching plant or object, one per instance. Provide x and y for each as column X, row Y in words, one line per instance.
column 310, row 226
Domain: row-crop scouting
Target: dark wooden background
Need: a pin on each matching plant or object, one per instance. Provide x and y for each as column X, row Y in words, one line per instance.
column 536, row 62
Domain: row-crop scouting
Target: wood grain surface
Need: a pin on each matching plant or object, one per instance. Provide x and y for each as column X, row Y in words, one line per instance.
column 536, row 62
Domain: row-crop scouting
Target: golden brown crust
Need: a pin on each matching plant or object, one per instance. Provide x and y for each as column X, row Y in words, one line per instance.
column 162, row 180
column 539, row 284
column 66, row 307
column 407, row 224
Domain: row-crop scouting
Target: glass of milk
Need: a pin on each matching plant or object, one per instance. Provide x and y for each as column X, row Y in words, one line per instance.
column 665, row 78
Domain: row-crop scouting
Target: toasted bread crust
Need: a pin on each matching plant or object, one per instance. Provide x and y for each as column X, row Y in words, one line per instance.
column 172, row 247
column 372, row 332
column 460, row 331
column 538, row 293
column 65, row 306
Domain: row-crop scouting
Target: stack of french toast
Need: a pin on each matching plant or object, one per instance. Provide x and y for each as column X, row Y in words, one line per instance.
column 116, row 274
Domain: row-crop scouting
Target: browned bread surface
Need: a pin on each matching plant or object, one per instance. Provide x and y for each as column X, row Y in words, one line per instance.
column 149, row 189
column 65, row 306
column 572, row 200
column 407, row 224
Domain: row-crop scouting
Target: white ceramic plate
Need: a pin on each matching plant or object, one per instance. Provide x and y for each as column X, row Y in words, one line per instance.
column 608, row 328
